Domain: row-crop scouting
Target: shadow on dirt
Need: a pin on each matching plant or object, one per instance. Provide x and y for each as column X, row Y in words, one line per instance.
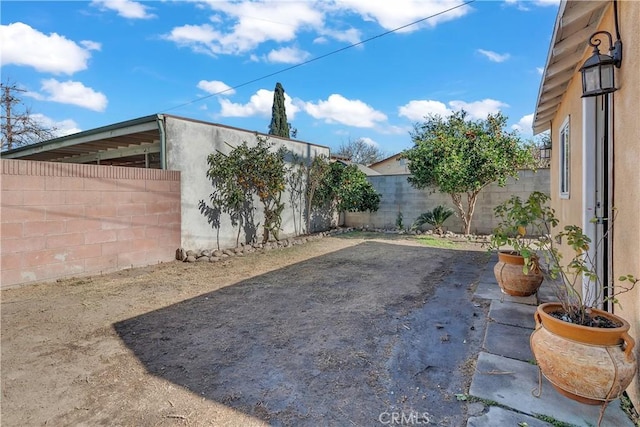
column 347, row 338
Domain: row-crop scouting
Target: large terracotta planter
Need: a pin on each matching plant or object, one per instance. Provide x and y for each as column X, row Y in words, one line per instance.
column 512, row 280
column 589, row 365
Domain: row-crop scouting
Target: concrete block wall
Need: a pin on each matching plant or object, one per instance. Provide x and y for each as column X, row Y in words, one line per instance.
column 61, row 220
column 399, row 196
column 189, row 143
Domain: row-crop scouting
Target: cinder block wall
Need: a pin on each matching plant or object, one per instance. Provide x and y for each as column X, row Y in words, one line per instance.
column 62, row 219
column 399, row 196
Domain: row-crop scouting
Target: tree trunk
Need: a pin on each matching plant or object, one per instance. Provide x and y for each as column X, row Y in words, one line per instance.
column 465, row 214
column 471, row 206
column 309, row 201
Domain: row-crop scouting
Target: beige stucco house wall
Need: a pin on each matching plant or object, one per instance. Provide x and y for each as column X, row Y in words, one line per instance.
column 393, row 165
column 560, row 99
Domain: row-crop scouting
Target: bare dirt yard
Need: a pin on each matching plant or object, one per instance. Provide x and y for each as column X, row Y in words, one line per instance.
column 345, row 330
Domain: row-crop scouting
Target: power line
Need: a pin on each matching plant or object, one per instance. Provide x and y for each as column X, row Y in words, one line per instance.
column 323, row 56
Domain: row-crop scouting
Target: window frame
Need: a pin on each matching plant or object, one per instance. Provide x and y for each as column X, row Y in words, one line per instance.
column 564, row 159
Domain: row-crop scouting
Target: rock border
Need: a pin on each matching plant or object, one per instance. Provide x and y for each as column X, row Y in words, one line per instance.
column 215, row 255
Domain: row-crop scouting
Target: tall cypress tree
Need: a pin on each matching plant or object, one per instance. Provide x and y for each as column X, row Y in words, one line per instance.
column 279, row 125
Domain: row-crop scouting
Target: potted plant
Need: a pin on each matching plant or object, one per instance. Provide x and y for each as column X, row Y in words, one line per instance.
column 585, row 352
column 516, row 238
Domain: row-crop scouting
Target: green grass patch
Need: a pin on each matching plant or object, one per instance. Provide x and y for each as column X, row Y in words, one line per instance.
column 366, row 235
column 436, row 242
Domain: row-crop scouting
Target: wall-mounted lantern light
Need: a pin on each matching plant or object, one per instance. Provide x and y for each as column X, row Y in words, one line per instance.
column 545, row 151
column 598, row 70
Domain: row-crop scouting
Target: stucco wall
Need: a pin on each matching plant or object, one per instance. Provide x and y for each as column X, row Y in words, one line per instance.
column 399, row 196
column 391, row 166
column 62, row 219
column 626, row 195
column 188, row 145
column 626, row 156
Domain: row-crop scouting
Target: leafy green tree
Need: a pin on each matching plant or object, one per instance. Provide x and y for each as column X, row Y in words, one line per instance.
column 241, row 174
column 361, row 152
column 346, row 189
column 279, row 125
column 228, row 195
column 459, row 156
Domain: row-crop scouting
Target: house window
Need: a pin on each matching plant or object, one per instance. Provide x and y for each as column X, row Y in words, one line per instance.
column 565, row 163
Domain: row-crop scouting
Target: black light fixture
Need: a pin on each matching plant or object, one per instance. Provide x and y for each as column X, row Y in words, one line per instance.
column 598, row 70
column 545, row 151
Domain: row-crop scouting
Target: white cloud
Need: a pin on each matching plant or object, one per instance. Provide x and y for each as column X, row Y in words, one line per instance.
column 369, row 141
column 416, row 110
column 245, row 25
column 394, row 130
column 126, row 8
column 239, row 27
column 338, row 109
column 23, row 45
column 74, row 93
column 523, row 4
column 540, row 70
column 199, row 38
column 478, row 109
column 288, row 55
column 60, row 128
column 215, row 87
column 350, row 35
column 91, row 45
column 494, row 56
column 394, row 14
column 259, row 104
column 524, row 125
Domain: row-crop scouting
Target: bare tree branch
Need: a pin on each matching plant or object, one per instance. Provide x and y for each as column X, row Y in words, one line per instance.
column 19, row 127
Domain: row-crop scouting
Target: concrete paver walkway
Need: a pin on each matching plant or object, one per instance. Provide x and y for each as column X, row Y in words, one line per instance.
column 507, row 375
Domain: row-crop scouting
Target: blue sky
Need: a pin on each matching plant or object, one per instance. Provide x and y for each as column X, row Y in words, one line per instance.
column 85, row 64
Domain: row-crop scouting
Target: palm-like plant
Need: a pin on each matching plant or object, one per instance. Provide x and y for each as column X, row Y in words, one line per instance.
column 435, row 218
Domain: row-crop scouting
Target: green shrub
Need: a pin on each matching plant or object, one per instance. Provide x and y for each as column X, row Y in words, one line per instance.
column 435, row 218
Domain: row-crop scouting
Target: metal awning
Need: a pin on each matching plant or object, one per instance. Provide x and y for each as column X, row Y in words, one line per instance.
column 575, row 23
column 132, row 143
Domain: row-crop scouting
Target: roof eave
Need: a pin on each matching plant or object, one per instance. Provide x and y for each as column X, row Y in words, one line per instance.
column 129, row 126
column 579, row 19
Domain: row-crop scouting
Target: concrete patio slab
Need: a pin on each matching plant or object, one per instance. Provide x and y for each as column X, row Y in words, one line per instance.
column 510, row 383
column 509, row 313
column 490, row 290
column 501, row 417
column 508, row 341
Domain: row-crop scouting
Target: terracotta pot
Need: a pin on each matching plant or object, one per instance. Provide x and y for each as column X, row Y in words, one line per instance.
column 512, row 281
column 587, row 364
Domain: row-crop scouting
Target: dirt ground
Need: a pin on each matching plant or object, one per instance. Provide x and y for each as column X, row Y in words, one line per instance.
column 339, row 331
